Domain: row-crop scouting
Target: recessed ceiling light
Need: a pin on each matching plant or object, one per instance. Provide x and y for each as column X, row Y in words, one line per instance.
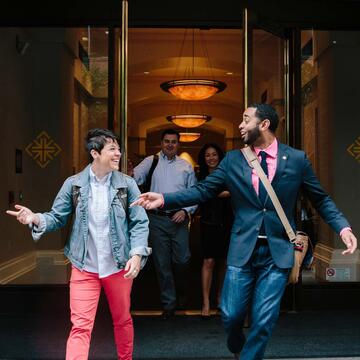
column 146, row 72
column 84, row 38
column 229, row 73
column 107, row 32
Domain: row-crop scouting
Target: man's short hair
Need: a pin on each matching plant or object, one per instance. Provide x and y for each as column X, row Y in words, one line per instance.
column 266, row 111
column 96, row 139
column 170, row 132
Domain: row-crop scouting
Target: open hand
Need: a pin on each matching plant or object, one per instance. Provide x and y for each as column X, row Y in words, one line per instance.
column 350, row 241
column 24, row 215
column 149, row 201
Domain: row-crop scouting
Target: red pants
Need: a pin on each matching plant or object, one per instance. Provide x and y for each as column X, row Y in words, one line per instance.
column 85, row 290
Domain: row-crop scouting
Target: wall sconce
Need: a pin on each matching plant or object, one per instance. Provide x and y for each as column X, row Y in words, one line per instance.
column 21, row 45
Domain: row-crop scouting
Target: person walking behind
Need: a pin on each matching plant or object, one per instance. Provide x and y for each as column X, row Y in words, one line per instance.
column 215, row 226
column 169, row 230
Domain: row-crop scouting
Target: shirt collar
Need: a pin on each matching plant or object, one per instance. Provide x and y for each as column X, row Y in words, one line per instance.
column 166, row 158
column 271, row 150
column 104, row 181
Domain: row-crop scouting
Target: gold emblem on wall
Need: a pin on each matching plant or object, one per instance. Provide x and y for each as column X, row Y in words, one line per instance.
column 43, row 149
column 354, row 149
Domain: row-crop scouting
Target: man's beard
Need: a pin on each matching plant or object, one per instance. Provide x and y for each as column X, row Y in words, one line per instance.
column 252, row 136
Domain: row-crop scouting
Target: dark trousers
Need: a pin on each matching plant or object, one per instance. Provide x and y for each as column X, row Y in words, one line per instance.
column 258, row 285
column 171, row 254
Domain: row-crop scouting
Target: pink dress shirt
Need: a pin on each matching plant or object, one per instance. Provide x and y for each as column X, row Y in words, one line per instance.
column 271, row 160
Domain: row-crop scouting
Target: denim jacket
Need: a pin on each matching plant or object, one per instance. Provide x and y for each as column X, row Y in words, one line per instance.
column 128, row 229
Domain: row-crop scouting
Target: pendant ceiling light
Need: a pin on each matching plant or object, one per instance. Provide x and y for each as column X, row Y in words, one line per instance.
column 189, row 136
column 191, row 87
column 188, row 120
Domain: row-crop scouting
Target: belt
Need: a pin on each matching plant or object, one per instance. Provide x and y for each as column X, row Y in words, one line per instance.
column 262, row 237
column 162, row 212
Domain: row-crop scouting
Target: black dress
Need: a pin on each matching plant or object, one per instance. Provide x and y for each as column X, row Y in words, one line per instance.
column 215, row 226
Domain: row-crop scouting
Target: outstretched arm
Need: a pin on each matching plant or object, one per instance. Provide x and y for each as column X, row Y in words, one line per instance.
column 209, row 188
column 327, row 208
column 48, row 221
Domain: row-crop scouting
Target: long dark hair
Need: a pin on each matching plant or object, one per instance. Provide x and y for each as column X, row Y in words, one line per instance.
column 203, row 168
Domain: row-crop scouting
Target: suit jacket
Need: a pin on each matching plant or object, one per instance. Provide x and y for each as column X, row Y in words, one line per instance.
column 293, row 173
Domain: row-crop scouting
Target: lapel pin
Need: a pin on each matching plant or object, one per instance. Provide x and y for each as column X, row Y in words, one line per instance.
column 284, row 157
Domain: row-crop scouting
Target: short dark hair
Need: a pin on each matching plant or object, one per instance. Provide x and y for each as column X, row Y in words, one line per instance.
column 96, row 139
column 266, row 111
column 170, row 132
column 203, row 168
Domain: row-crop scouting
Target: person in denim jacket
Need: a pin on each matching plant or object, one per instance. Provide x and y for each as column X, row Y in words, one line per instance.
column 107, row 246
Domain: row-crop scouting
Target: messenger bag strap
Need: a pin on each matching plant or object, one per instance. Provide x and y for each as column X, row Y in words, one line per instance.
column 148, row 180
column 254, row 163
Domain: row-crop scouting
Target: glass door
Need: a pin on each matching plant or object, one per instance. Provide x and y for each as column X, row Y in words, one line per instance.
column 267, row 80
column 331, row 138
column 266, row 59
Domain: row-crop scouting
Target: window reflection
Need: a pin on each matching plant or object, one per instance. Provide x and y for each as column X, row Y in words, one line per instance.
column 329, row 127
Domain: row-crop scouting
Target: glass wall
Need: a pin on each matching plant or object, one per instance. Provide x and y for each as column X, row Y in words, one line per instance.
column 54, row 88
column 268, row 75
column 91, row 88
column 331, row 137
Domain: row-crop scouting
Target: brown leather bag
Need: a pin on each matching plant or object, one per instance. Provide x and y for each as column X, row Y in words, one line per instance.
column 301, row 246
column 300, row 240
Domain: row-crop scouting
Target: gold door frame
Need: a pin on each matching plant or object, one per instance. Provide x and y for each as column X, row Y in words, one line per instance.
column 122, row 83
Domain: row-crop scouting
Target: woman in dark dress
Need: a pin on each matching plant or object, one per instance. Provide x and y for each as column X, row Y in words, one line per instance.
column 215, row 225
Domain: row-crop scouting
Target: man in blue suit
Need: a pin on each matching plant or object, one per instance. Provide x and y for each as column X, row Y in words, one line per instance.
column 260, row 254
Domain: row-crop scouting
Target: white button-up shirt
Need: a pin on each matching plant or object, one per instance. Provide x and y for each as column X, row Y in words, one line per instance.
column 99, row 258
column 170, row 175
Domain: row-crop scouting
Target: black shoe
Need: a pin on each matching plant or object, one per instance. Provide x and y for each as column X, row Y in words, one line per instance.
column 167, row 314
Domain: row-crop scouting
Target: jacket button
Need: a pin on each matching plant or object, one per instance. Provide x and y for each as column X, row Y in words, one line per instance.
column 257, row 229
column 264, row 210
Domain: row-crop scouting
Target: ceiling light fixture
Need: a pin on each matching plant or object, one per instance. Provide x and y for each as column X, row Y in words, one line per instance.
column 189, row 120
column 189, row 136
column 191, row 87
